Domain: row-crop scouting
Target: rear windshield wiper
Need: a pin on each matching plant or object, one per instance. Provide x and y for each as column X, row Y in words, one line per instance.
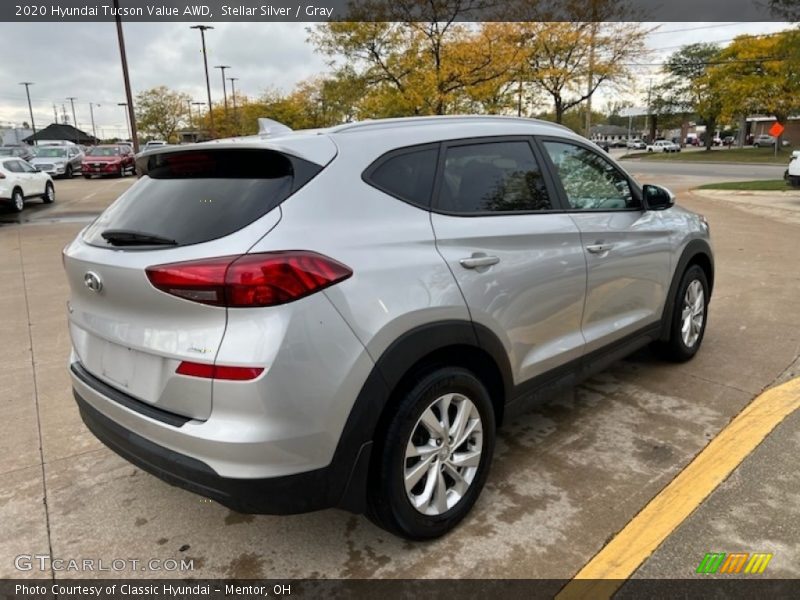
column 129, row 237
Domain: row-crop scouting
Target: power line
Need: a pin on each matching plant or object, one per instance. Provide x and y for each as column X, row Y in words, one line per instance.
column 729, row 24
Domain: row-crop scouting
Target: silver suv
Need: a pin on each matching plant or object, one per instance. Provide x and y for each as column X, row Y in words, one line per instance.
column 344, row 317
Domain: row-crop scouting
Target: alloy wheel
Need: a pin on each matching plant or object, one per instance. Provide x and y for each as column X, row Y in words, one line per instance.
column 443, row 454
column 693, row 313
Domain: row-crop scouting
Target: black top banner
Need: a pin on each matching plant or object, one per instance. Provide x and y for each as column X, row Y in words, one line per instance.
column 400, row 10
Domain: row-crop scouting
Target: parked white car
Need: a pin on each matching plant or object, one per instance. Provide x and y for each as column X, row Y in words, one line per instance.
column 636, row 145
column 663, row 146
column 793, row 172
column 19, row 181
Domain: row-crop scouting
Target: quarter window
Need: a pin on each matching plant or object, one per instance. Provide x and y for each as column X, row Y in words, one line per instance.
column 492, row 177
column 409, row 175
column 590, row 181
column 14, row 166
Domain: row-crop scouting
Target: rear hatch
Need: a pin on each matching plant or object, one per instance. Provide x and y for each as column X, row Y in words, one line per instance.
column 209, row 201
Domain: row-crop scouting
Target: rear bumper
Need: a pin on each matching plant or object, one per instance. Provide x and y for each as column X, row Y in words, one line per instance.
column 291, row 494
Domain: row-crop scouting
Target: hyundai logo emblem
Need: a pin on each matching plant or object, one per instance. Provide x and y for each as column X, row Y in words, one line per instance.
column 93, row 281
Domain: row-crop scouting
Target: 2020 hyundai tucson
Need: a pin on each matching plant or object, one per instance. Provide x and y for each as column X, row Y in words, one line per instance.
column 344, row 317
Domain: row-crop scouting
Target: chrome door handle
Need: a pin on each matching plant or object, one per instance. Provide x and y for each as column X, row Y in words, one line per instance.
column 477, row 261
column 599, row 248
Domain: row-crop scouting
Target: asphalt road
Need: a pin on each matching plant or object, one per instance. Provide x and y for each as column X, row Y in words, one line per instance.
column 566, row 477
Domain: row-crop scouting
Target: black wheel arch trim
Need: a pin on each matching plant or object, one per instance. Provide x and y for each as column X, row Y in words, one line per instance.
column 697, row 248
column 355, row 442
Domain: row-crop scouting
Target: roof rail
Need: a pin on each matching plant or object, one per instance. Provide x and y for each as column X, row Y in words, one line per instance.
column 434, row 120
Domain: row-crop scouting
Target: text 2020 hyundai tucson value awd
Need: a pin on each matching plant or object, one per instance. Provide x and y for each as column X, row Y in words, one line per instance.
column 344, row 317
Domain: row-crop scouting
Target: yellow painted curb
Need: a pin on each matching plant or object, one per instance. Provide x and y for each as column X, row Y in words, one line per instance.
column 618, row 560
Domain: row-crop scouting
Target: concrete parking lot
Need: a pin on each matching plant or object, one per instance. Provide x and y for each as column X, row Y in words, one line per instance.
column 565, row 480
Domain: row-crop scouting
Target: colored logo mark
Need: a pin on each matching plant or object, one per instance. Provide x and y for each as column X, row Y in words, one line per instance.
column 735, row 562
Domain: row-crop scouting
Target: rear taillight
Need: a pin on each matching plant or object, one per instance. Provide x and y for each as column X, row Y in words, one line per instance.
column 2, row 176
column 249, row 280
column 207, row 371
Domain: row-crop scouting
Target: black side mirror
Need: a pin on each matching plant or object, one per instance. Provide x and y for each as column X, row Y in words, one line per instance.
column 657, row 197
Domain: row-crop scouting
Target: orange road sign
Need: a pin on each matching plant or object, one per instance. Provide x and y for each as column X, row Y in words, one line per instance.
column 776, row 130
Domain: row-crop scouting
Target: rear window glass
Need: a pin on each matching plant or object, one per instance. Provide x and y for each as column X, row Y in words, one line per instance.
column 407, row 175
column 191, row 197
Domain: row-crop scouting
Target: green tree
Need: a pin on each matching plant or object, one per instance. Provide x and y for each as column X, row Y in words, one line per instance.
column 759, row 74
column 687, row 88
column 161, row 111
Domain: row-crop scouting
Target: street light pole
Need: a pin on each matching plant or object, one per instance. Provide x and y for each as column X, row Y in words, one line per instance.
column 128, row 95
column 197, row 104
column 27, row 85
column 203, row 29
column 224, row 92
column 233, row 81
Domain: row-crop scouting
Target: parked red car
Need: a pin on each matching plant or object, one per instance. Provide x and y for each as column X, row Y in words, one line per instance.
column 112, row 159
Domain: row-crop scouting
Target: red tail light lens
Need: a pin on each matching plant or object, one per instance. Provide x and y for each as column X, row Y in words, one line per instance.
column 207, row 371
column 250, row 280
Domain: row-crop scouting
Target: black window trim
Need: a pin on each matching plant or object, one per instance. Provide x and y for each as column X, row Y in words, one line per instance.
column 636, row 191
column 366, row 175
column 555, row 199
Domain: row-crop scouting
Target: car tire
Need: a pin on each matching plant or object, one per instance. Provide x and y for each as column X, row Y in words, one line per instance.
column 85, row 176
column 689, row 317
column 121, row 172
column 17, row 200
column 415, row 443
column 69, row 174
column 49, row 195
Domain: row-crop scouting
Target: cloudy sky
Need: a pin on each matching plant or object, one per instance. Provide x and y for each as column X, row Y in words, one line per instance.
column 82, row 60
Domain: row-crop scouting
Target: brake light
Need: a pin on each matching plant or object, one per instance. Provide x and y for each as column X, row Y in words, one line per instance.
column 207, row 371
column 249, row 280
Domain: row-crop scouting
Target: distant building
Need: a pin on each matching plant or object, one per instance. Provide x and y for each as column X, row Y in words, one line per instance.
column 61, row 132
column 610, row 133
column 14, row 135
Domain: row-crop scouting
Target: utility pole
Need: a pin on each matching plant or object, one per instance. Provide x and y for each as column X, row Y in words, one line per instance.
column 126, row 78
column 27, row 85
column 652, row 137
column 72, row 102
column 55, row 113
column 126, row 117
column 203, row 29
column 224, row 92
column 91, row 113
column 189, row 103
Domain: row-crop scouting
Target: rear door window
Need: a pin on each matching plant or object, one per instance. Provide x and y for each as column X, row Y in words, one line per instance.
column 492, row 177
column 195, row 196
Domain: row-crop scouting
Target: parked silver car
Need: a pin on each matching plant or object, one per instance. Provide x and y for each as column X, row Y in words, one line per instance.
column 344, row 317
column 58, row 161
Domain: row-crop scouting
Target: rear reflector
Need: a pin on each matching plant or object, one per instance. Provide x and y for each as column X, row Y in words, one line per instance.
column 249, row 280
column 207, row 371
